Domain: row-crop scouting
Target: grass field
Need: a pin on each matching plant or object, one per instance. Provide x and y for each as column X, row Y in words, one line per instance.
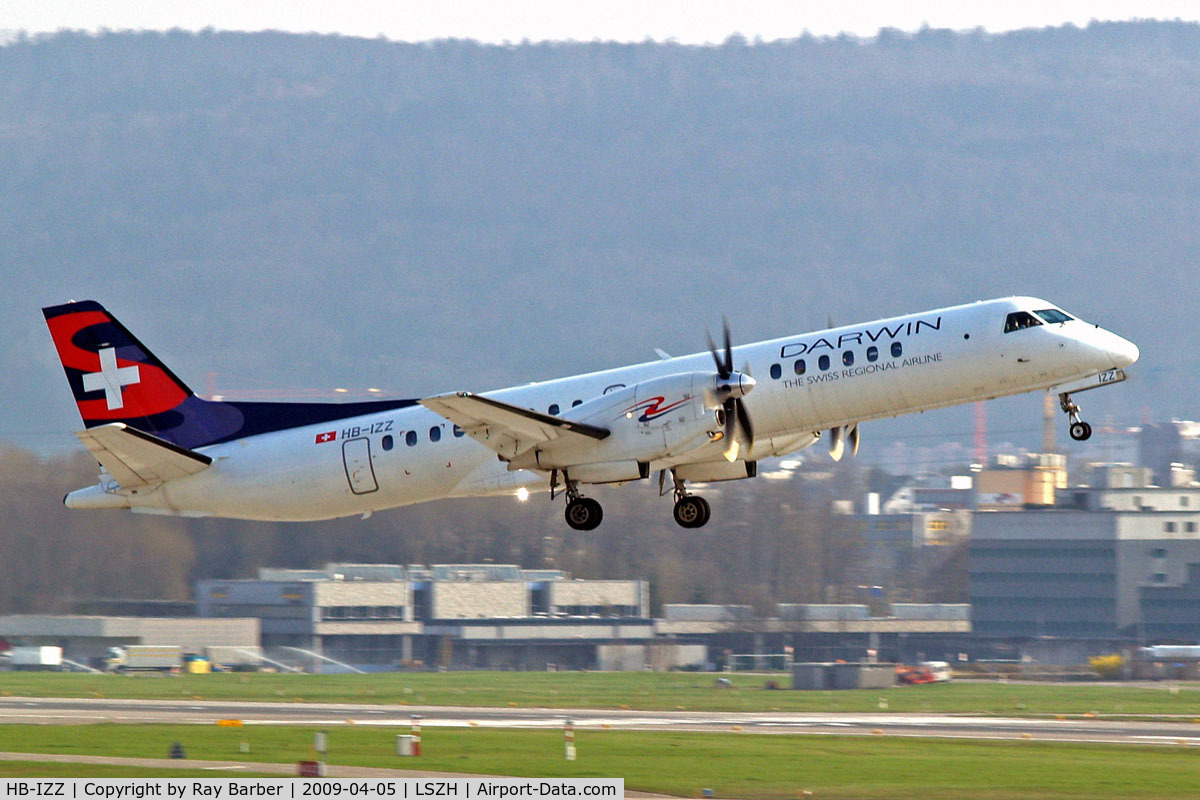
column 683, row 764
column 42, row 769
column 640, row 690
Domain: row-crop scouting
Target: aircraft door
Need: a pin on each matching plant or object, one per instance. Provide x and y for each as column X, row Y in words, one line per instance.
column 356, row 454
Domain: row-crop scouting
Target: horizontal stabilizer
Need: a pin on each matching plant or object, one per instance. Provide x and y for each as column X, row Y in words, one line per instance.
column 137, row 460
column 504, row 428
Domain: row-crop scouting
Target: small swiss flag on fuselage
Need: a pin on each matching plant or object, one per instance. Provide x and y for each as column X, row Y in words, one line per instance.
column 328, row 436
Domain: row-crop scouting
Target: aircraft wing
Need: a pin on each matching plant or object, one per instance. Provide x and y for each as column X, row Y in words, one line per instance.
column 504, row 428
column 137, row 460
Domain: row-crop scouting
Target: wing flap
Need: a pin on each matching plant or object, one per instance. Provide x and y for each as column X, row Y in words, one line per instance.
column 137, row 460
column 504, row 428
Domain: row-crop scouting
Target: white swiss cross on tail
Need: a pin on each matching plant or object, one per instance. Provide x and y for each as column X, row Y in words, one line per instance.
column 111, row 378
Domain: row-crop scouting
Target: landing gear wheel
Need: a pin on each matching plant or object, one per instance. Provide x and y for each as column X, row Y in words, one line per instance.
column 691, row 511
column 1081, row 431
column 584, row 514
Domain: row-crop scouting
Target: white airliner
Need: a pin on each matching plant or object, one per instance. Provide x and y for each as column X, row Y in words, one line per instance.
column 697, row 418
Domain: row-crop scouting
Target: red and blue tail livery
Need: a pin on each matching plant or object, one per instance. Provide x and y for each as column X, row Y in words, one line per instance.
column 115, row 378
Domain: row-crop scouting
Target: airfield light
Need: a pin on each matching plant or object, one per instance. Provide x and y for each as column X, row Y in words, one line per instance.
column 341, row 390
column 522, row 494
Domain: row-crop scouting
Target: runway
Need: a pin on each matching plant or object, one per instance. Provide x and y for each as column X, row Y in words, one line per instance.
column 75, row 711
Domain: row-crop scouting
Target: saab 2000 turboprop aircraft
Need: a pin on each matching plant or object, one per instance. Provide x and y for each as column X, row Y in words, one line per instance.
column 696, row 418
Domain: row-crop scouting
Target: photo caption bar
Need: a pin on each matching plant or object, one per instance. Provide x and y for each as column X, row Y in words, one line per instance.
column 302, row 788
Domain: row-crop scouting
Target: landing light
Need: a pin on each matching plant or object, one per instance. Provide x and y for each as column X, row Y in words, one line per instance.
column 339, row 389
column 522, row 494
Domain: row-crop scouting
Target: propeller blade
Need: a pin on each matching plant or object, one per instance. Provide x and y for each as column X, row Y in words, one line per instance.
column 744, row 423
column 837, row 445
column 853, row 437
column 729, row 407
column 728, row 347
column 712, row 348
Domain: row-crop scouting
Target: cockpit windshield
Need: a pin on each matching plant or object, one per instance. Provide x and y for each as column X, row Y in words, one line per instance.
column 1052, row 315
column 1019, row 320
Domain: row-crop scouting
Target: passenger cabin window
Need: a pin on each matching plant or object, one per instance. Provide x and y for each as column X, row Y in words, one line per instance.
column 553, row 409
column 776, row 371
column 435, row 433
column 458, row 432
column 576, row 403
column 823, row 363
column 872, row 353
column 410, row 438
column 896, row 349
column 1019, row 320
column 848, row 358
column 1053, row 315
column 800, row 367
column 387, row 442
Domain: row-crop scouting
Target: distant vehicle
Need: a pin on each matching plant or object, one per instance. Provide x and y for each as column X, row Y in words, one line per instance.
column 938, row 670
column 44, row 658
column 925, row 672
column 143, row 658
column 163, row 450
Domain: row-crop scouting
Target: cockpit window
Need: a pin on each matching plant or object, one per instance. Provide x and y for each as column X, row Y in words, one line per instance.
column 1019, row 320
column 1053, row 315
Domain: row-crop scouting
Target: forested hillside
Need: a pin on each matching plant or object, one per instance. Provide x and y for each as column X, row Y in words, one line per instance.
column 278, row 214
column 316, row 211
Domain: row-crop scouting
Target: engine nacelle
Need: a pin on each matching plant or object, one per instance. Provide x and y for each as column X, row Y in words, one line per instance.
column 651, row 420
column 611, row 472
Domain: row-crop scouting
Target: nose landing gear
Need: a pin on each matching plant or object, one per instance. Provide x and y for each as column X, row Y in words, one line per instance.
column 1080, row 431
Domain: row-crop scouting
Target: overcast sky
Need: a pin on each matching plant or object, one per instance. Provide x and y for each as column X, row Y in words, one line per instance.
column 691, row 21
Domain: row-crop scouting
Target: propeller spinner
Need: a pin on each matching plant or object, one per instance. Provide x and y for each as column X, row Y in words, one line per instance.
column 729, row 390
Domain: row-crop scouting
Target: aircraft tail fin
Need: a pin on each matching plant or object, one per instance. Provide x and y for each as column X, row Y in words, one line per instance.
column 116, row 379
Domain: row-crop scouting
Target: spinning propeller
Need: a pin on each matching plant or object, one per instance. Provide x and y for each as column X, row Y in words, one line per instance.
column 837, row 441
column 730, row 388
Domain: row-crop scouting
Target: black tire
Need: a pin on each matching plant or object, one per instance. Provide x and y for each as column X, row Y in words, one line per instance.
column 707, row 513
column 584, row 514
column 689, row 512
column 1081, row 431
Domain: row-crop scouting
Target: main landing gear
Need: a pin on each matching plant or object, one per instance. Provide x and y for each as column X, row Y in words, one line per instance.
column 583, row 513
column 1080, row 430
column 690, row 510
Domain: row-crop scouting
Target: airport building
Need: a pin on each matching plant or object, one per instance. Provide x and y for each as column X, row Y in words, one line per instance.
column 823, row 632
column 1115, row 563
column 85, row 639
column 449, row 615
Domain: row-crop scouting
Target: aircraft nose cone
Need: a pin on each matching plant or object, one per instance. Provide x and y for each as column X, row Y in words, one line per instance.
column 1123, row 351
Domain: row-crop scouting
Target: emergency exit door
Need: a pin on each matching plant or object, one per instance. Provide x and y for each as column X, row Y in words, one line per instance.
column 356, row 454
